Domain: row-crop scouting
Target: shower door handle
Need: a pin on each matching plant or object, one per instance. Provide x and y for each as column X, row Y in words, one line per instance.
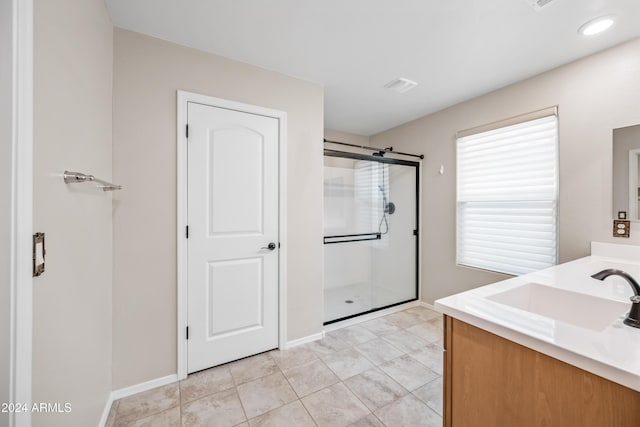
column 271, row 246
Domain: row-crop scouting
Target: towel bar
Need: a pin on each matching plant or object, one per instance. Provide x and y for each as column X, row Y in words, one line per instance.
column 75, row 177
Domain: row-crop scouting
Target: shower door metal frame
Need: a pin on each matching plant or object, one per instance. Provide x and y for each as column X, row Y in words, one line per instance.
column 416, row 231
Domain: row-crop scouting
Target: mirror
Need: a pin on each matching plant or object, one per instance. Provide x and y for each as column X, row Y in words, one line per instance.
column 626, row 167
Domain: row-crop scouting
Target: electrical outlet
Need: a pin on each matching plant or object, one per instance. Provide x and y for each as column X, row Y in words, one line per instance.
column 621, row 228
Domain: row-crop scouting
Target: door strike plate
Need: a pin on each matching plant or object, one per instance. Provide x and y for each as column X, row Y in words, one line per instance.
column 38, row 254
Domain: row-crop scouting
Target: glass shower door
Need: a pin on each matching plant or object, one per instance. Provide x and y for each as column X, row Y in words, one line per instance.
column 370, row 226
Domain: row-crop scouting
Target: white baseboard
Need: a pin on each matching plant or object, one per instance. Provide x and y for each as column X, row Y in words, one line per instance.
column 131, row 390
column 370, row 316
column 304, row 340
column 158, row 382
column 106, row 410
column 427, row 305
column 139, row 388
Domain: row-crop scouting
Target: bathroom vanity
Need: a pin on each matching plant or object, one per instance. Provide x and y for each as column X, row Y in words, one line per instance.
column 547, row 348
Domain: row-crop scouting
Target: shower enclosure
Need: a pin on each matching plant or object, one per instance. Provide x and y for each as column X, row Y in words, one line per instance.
column 370, row 233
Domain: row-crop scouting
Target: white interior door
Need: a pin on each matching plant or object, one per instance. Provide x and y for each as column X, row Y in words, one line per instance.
column 233, row 218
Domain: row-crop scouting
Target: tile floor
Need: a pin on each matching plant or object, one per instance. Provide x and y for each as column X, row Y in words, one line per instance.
column 383, row 372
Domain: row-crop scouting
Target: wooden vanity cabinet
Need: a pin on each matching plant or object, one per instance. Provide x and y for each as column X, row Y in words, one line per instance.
column 491, row 381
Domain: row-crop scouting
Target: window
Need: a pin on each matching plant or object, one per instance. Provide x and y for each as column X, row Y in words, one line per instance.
column 507, row 186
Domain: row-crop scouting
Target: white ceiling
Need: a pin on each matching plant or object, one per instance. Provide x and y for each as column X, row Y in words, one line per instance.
column 454, row 49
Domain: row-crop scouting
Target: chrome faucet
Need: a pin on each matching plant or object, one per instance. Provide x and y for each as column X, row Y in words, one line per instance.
column 633, row 318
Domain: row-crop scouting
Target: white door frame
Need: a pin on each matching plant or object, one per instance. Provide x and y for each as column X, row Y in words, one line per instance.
column 183, row 99
column 633, row 184
column 20, row 136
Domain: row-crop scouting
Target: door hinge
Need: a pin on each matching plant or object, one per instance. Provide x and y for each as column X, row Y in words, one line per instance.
column 415, row 232
column 187, row 232
column 187, row 131
column 187, row 332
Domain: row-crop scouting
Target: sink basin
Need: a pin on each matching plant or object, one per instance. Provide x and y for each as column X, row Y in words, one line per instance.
column 575, row 308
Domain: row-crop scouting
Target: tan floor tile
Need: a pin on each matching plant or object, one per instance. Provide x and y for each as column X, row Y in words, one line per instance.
column 368, row 421
column 353, row 335
column 149, row 402
column 375, row 389
column 297, row 356
column 264, row 394
column 431, row 394
column 380, row 326
column 347, row 363
column 430, row 356
column 256, row 388
column 309, row 378
column 405, row 341
column 291, row 414
column 426, row 331
column 168, row 418
column 111, row 418
column 408, row 411
column 220, row 410
column 438, row 322
column 334, row 406
column 408, row 372
column 378, row 351
column 252, row 368
column 207, row 382
column 424, row 313
column 327, row 345
column 402, row 320
column 439, row 343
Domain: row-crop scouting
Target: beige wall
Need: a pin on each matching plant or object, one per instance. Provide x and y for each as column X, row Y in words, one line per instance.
column 594, row 95
column 349, row 138
column 147, row 74
column 72, row 299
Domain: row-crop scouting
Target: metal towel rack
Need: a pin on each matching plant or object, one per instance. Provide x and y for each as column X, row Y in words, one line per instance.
column 75, row 177
column 352, row 238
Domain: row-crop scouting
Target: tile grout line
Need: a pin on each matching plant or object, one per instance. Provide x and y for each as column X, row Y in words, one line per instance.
column 208, row 394
column 246, row 419
column 152, row 413
column 300, row 398
column 428, row 406
column 376, row 366
column 238, row 393
column 349, row 345
column 357, row 397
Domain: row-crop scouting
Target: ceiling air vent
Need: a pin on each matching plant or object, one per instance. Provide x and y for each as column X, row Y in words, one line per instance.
column 538, row 4
column 401, row 85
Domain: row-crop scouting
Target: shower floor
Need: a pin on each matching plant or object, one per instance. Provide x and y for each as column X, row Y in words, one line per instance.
column 364, row 297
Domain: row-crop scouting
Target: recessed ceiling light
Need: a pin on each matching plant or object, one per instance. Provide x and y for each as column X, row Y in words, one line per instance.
column 596, row 26
column 401, row 85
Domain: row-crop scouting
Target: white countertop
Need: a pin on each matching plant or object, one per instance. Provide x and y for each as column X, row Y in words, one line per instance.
column 612, row 353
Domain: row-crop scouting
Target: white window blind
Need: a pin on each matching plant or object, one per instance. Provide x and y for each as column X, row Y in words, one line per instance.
column 507, row 186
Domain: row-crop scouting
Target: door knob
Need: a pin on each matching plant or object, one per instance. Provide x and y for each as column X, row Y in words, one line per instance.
column 271, row 246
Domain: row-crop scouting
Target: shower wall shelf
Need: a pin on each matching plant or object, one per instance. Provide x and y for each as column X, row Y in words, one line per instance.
column 77, row 177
